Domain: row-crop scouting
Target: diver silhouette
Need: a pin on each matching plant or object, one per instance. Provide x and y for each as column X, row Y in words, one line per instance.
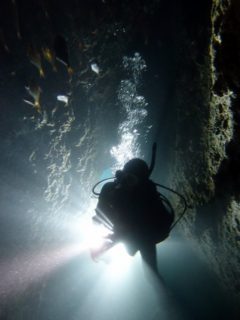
column 136, row 210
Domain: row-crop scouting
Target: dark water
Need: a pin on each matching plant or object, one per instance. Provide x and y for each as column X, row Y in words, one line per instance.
column 50, row 161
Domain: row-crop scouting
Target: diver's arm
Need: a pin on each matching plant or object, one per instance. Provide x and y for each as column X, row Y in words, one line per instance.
column 105, row 195
column 104, row 211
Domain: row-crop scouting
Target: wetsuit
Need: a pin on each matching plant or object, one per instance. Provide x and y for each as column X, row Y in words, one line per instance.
column 139, row 217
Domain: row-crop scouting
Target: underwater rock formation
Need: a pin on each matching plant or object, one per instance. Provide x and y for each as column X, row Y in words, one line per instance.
column 207, row 154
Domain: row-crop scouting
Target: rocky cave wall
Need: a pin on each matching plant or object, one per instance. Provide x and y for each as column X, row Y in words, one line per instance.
column 207, row 149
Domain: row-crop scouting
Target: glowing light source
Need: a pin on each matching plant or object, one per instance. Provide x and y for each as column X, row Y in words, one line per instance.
column 96, row 236
column 119, row 260
column 92, row 236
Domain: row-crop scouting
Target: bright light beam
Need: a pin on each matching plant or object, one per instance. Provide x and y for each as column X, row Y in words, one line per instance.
column 18, row 273
column 93, row 237
column 119, row 261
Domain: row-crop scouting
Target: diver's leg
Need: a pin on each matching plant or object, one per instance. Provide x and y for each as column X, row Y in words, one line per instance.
column 149, row 260
column 149, row 256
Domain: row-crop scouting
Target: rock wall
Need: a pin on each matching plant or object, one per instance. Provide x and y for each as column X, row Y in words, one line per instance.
column 207, row 145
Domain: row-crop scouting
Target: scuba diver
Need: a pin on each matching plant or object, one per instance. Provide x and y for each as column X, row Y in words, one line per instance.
column 136, row 210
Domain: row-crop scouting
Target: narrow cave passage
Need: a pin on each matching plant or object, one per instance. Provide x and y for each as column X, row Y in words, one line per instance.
column 84, row 87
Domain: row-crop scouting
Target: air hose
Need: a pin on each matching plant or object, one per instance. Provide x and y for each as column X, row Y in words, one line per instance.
column 164, row 198
column 99, row 182
column 180, row 196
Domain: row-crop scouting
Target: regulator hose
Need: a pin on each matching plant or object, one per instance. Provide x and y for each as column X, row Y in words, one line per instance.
column 180, row 196
column 99, row 182
column 164, row 198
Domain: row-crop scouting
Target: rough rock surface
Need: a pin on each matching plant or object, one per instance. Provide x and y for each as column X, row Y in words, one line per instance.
column 207, row 142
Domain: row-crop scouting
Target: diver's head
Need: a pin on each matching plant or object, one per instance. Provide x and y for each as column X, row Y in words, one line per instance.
column 134, row 172
column 137, row 167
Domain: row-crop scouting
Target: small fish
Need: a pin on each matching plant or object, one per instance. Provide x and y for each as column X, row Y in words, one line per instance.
column 95, row 68
column 63, row 98
column 61, row 52
column 35, row 59
column 49, row 55
column 34, row 91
